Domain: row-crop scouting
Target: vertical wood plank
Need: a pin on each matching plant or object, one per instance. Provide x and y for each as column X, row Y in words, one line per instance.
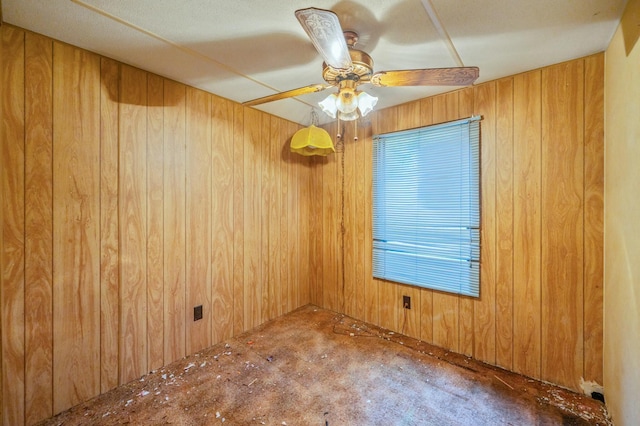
column 198, row 215
column 12, row 127
column 593, row 216
column 360, row 214
column 284, row 218
column 340, row 256
column 222, row 218
column 330, row 224
column 526, row 222
column 155, row 222
column 273, row 161
column 238, row 222
column 466, row 319
column 2, row 88
column 371, row 293
column 426, row 295
column 76, row 223
column 38, row 227
column 409, row 116
column 252, row 188
column 484, row 309
column 445, row 306
column 265, row 195
column 174, row 199
column 304, row 295
column 303, row 237
column 109, row 242
column 562, row 223
column 504, row 223
column 294, row 218
column 133, row 224
column 315, row 243
column 347, row 189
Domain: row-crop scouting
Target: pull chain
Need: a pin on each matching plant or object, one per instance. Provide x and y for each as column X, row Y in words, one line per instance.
column 343, row 229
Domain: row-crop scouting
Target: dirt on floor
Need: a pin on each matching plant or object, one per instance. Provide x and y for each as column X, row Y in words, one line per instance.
column 317, row 367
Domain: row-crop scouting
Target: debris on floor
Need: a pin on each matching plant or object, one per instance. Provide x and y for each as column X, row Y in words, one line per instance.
column 367, row 375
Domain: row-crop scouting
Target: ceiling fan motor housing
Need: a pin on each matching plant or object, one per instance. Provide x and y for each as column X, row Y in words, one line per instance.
column 361, row 71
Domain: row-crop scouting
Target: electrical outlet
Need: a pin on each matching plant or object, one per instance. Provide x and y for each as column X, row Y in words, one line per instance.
column 406, row 302
column 197, row 313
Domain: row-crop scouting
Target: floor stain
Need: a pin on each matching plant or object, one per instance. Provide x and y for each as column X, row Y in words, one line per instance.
column 316, row 367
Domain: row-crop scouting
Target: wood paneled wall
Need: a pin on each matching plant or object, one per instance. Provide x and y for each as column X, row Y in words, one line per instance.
column 128, row 199
column 540, row 308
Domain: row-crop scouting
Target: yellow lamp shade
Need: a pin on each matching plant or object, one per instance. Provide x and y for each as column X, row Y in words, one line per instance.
column 312, row 140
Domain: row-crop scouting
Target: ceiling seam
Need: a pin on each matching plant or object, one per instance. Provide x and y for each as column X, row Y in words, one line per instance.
column 174, row 44
column 442, row 31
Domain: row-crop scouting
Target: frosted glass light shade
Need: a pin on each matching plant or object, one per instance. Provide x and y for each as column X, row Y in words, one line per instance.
column 312, row 140
column 347, row 103
column 366, row 102
column 328, row 105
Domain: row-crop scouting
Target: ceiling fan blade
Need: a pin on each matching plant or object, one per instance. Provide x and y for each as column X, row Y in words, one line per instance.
column 324, row 30
column 288, row 94
column 459, row 76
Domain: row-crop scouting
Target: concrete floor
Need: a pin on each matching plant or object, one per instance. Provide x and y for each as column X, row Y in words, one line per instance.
column 316, row 367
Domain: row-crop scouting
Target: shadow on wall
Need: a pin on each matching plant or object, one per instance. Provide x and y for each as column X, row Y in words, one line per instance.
column 292, row 158
column 630, row 25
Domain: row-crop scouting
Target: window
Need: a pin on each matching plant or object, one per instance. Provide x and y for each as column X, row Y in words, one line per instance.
column 426, row 207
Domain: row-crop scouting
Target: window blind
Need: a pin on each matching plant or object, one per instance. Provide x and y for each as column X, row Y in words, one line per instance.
column 426, row 207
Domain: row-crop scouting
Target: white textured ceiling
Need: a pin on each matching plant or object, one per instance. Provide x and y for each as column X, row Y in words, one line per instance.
column 245, row 49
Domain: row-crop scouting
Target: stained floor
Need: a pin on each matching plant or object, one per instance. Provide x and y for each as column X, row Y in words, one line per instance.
column 317, row 367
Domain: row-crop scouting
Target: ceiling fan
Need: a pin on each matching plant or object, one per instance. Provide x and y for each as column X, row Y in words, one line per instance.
column 346, row 67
